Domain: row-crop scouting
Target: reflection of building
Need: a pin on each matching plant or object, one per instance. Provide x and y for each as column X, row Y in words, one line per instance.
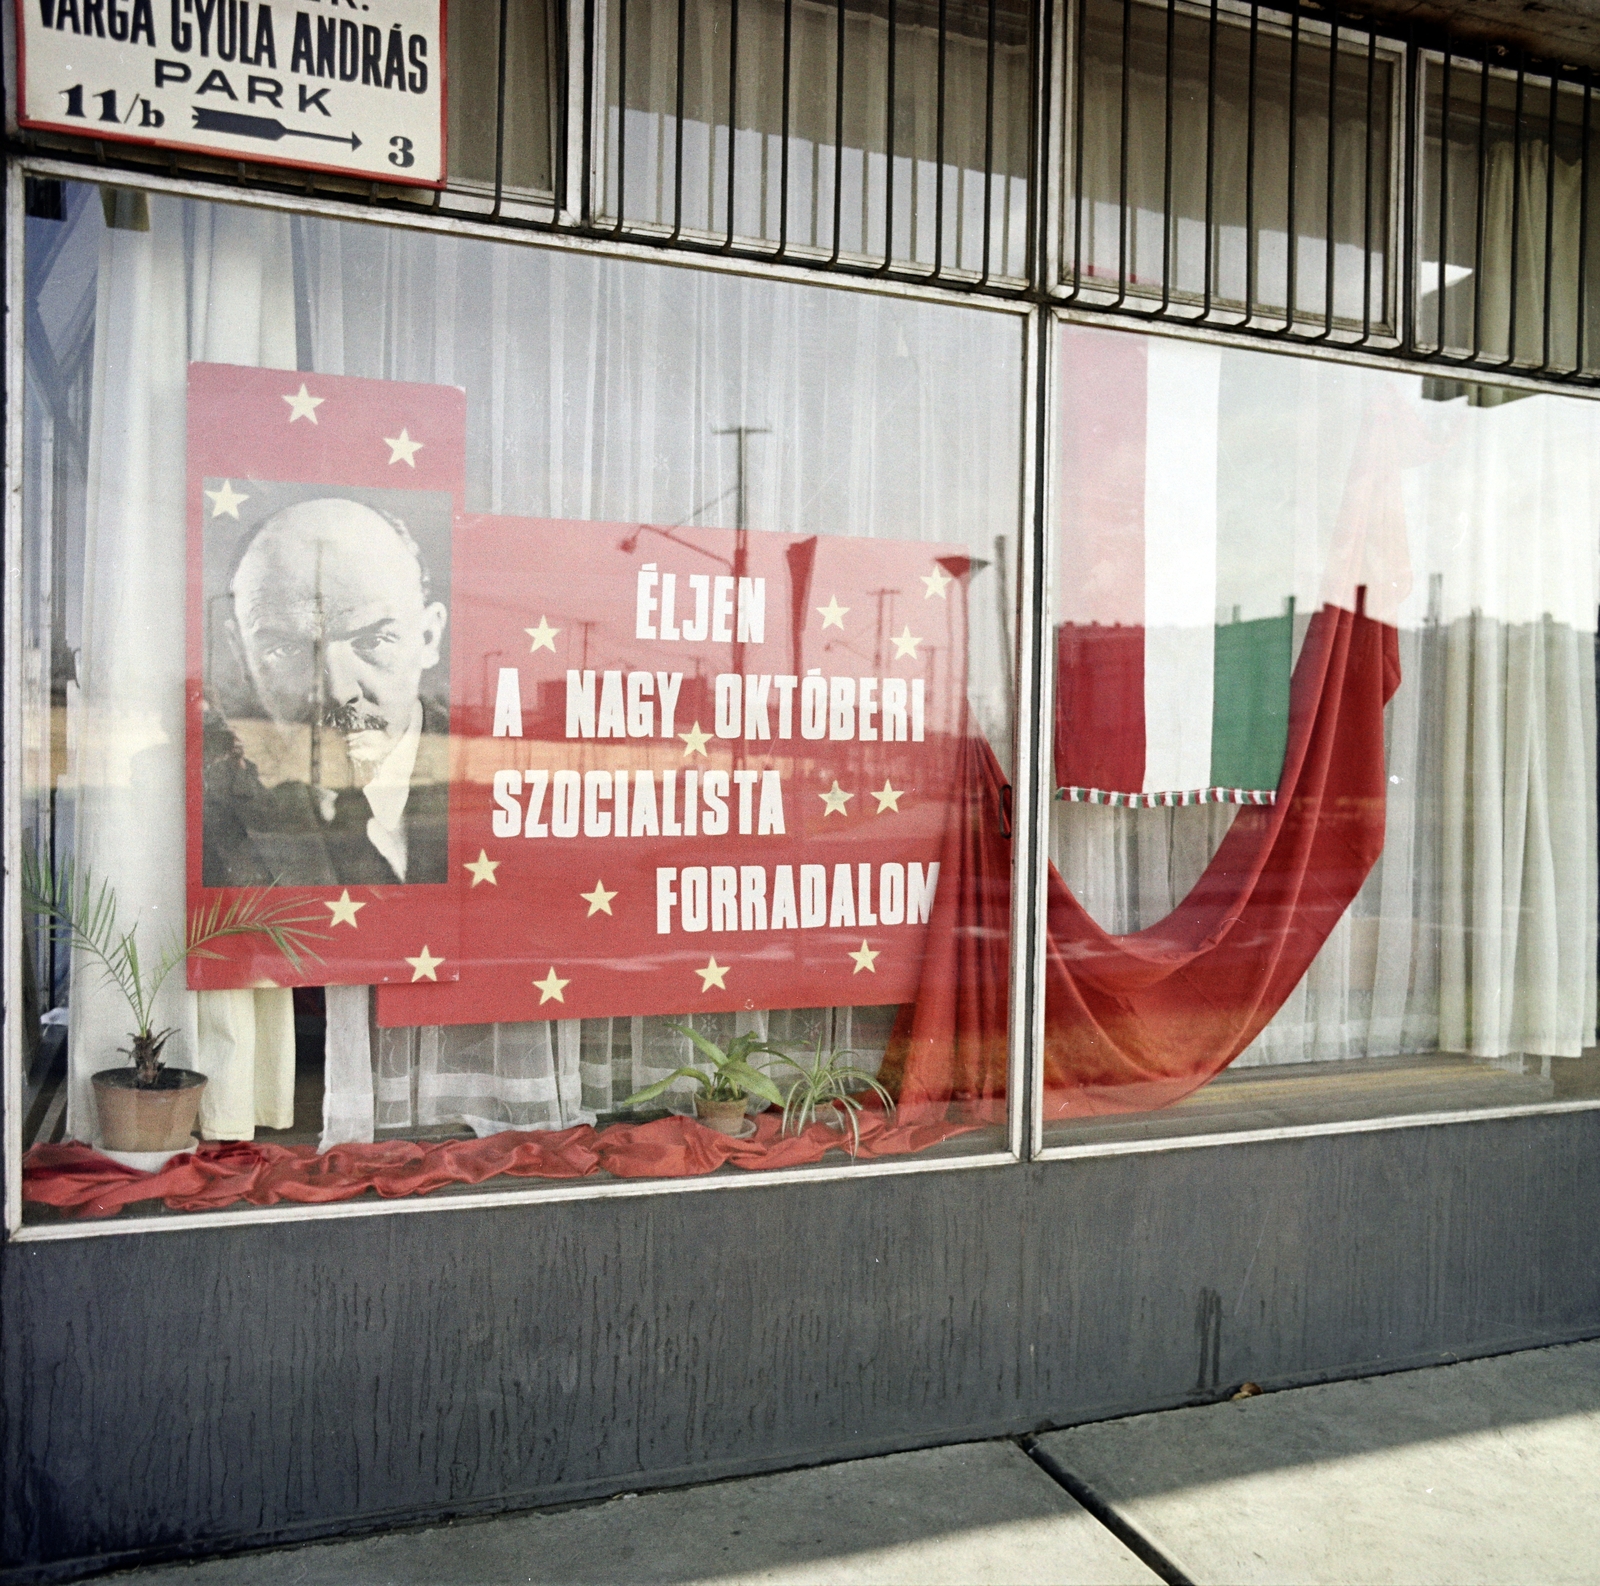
column 1171, row 436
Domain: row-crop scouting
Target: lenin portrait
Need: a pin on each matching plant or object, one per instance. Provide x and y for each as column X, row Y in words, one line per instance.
column 325, row 738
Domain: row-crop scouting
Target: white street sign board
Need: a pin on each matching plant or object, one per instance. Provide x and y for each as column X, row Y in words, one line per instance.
column 333, row 85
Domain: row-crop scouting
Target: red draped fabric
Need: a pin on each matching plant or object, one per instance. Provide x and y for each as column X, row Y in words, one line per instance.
column 1135, row 1022
column 79, row 1180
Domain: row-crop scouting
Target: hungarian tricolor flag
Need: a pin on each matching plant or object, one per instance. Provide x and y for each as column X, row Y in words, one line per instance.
column 1177, row 632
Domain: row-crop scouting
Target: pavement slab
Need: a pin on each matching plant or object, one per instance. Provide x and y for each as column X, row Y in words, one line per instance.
column 1487, row 1471
column 964, row 1515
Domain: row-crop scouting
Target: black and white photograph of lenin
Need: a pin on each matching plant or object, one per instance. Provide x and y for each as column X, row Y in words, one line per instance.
column 326, row 672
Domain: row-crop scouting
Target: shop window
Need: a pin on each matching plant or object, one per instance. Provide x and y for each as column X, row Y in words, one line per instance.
column 896, row 135
column 575, row 683
column 1229, row 164
column 1324, row 842
column 1508, row 244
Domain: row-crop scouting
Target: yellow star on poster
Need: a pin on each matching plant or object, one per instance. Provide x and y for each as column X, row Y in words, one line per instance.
column 544, row 636
column 833, row 613
column 865, row 958
column 712, row 975
column 402, row 449
column 888, row 796
column 696, row 742
column 550, row 987
column 302, row 405
column 937, row 582
column 344, row 910
column 599, row 900
column 905, row 643
column 225, row 502
column 424, row 966
column 834, row 800
column 482, row 868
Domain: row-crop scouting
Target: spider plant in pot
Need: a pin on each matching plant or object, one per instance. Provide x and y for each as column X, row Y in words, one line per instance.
column 826, row 1090
column 147, row 1105
column 724, row 1093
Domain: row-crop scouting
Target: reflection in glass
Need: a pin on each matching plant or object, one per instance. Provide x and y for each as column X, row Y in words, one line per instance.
column 1354, row 873
column 635, row 395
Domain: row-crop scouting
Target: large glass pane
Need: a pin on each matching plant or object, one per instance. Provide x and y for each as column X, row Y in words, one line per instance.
column 896, row 134
column 597, row 659
column 1201, row 145
column 1506, row 218
column 1324, row 834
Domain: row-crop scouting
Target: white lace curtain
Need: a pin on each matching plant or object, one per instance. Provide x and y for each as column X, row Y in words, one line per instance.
column 1476, row 932
column 172, row 282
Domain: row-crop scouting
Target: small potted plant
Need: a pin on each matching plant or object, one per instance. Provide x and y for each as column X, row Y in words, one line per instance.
column 148, row 1106
column 825, row 1090
column 725, row 1092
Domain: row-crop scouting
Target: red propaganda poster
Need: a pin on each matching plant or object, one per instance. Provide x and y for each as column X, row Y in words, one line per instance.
column 693, row 769
column 320, row 662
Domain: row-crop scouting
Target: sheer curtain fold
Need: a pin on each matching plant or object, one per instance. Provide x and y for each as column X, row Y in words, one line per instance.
column 176, row 282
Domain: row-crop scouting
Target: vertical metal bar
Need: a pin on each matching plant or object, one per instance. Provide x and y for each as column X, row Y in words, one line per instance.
column 556, row 65
column 733, row 115
column 1444, row 197
column 1166, row 165
column 988, row 151
column 1077, row 145
column 1481, row 219
column 1250, row 167
column 586, row 196
column 1516, row 205
column 1210, row 236
column 938, row 144
column 1291, row 227
column 1409, row 125
column 1550, row 211
column 1122, row 158
column 500, row 114
column 1366, row 192
column 677, row 126
column 1583, row 225
column 622, row 112
column 783, row 150
column 888, row 144
column 1328, row 195
column 838, row 135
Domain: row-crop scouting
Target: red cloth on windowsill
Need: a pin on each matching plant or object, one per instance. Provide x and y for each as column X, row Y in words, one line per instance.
column 77, row 1177
column 1139, row 1021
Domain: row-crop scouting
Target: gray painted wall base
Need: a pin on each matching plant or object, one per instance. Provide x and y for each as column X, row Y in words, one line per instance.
column 173, row 1393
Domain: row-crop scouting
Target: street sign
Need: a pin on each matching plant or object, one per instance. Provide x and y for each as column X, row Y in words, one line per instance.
column 334, row 85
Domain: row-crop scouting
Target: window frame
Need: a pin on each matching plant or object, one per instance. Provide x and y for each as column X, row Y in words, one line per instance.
column 1038, row 1150
column 1022, row 1014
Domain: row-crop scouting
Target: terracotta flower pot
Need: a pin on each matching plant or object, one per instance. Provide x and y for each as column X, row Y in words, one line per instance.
column 158, row 1119
column 726, row 1117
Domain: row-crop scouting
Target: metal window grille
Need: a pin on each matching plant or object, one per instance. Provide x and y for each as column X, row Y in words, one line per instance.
column 1296, row 174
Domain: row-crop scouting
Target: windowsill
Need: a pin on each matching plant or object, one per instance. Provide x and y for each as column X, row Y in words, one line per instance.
column 1313, row 1095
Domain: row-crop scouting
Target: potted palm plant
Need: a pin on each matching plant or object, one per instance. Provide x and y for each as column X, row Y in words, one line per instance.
column 826, row 1090
column 147, row 1105
column 723, row 1094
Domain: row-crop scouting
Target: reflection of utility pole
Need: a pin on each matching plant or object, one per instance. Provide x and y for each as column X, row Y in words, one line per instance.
column 586, row 625
column 741, row 518
column 741, row 546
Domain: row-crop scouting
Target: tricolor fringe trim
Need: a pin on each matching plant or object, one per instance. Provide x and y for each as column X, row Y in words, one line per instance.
column 1152, row 801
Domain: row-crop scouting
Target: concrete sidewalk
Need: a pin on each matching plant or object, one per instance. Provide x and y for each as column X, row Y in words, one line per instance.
column 1483, row 1472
